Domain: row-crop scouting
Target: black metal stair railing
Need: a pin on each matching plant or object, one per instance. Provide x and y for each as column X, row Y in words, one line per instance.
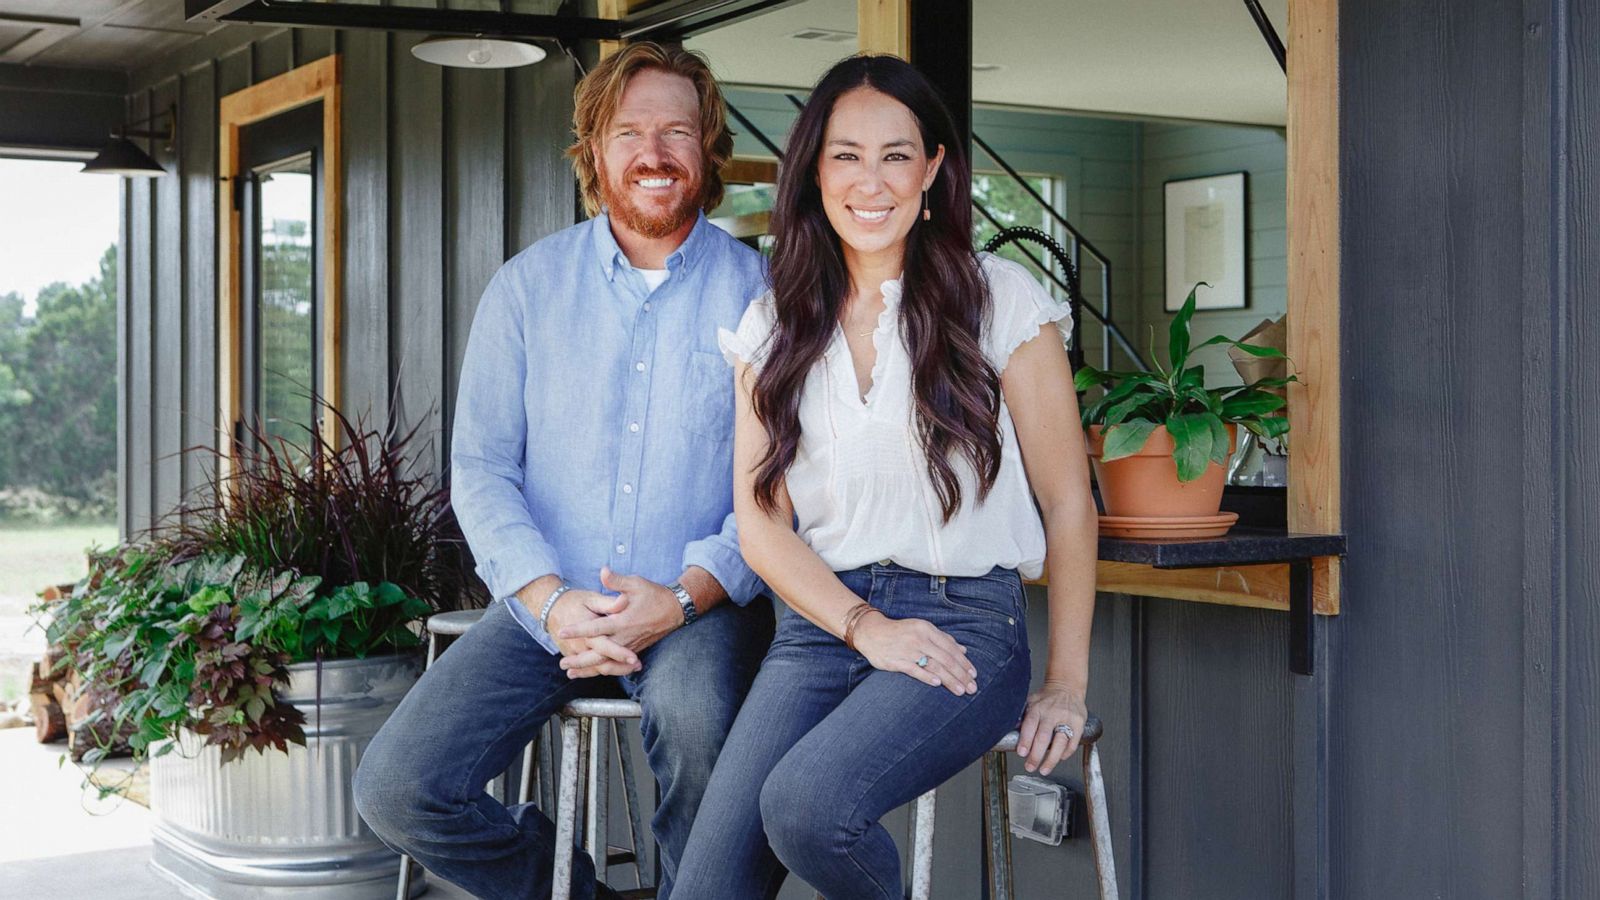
column 1075, row 302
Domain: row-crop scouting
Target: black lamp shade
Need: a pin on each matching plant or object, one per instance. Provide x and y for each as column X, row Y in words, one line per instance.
column 123, row 157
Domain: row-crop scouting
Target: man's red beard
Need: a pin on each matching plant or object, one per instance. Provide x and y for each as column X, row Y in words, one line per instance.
column 654, row 222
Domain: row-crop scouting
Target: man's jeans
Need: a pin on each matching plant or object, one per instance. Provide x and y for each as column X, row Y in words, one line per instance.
column 826, row 744
column 421, row 782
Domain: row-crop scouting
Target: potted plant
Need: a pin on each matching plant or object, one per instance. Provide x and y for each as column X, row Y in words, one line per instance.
column 1159, row 441
column 255, row 644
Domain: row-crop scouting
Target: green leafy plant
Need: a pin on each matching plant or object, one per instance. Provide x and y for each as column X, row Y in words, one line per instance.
column 1136, row 403
column 200, row 645
column 298, row 554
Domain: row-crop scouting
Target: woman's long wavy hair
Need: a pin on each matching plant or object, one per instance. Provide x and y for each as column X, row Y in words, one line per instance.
column 944, row 299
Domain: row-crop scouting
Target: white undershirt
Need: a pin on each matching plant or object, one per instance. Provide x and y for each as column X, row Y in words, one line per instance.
column 653, row 278
column 859, row 480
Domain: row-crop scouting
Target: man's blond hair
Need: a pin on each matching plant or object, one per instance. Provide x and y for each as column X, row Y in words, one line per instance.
column 600, row 92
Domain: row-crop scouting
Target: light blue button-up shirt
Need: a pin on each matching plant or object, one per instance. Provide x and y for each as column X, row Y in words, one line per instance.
column 594, row 422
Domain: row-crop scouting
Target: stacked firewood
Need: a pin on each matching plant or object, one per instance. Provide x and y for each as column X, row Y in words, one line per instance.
column 63, row 710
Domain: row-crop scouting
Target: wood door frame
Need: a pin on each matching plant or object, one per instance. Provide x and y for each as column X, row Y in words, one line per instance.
column 314, row 81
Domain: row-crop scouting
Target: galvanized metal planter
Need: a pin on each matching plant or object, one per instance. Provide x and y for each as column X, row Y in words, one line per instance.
column 281, row 824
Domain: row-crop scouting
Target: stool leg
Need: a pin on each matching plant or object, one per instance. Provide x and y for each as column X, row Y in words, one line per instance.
column 525, row 783
column 1099, row 823
column 630, row 798
column 574, row 741
column 594, row 823
column 922, row 847
column 403, row 888
column 547, row 768
column 997, row 836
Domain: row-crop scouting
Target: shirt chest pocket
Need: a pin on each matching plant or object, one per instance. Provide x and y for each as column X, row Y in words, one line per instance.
column 706, row 404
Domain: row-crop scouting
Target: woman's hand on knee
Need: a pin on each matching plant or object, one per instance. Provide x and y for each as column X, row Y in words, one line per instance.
column 916, row 647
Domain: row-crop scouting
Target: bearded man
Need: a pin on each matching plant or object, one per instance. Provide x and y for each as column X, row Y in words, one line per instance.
column 591, row 467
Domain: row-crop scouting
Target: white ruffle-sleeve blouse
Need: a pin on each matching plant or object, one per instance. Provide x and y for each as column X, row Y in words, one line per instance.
column 859, row 481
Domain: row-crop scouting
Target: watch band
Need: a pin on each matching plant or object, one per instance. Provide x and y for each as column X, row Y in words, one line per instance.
column 690, row 613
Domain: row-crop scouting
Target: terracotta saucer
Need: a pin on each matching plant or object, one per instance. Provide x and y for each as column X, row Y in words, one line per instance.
column 1167, row 526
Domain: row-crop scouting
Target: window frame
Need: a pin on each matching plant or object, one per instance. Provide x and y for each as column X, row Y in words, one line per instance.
column 312, row 82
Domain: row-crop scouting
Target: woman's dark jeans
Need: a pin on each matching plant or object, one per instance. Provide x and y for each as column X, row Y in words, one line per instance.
column 825, row 744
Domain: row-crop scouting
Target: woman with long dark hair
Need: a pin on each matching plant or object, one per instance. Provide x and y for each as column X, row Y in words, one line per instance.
column 902, row 402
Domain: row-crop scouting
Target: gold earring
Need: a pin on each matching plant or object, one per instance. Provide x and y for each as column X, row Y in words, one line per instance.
column 927, row 214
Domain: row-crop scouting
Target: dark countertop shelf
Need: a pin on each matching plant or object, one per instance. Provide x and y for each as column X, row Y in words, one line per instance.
column 1241, row 546
column 1245, row 546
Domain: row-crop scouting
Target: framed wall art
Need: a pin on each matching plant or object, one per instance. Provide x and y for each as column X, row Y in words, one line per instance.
column 1205, row 241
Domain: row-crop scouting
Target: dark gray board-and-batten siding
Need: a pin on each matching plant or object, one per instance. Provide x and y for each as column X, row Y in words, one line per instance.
column 423, row 146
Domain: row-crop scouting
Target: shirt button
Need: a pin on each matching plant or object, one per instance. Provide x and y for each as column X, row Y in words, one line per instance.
column 634, row 427
column 621, row 549
column 647, row 306
column 627, row 489
column 638, row 367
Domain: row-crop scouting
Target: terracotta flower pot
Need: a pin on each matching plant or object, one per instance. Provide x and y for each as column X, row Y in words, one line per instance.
column 1146, row 483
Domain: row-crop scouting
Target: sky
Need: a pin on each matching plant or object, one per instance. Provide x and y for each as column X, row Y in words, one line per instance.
column 54, row 223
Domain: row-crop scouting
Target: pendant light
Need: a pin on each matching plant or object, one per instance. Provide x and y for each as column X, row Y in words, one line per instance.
column 123, row 157
column 477, row 52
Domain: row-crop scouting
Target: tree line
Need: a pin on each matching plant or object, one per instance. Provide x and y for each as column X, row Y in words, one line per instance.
column 58, row 395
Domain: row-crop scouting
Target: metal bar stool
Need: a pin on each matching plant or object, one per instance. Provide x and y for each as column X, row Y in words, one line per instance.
column 996, row 819
column 579, row 721
column 453, row 625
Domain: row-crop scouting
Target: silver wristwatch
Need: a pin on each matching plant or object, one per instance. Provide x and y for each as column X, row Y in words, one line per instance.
column 690, row 613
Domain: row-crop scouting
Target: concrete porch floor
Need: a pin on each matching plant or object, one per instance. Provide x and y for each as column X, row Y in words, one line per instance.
column 57, row 841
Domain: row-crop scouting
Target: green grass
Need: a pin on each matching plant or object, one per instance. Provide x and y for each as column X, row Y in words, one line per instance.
column 31, row 558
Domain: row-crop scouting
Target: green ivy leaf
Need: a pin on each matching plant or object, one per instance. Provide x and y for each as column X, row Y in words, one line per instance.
column 389, row 594
column 207, row 599
column 116, row 643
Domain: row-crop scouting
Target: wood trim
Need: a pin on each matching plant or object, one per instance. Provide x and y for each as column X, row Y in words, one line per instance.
column 1313, row 247
column 884, row 26
column 309, row 83
column 616, row 9
column 750, row 171
column 1260, row 587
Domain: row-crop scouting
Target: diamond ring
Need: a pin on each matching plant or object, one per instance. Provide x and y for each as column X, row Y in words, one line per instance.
column 922, row 661
column 1065, row 730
